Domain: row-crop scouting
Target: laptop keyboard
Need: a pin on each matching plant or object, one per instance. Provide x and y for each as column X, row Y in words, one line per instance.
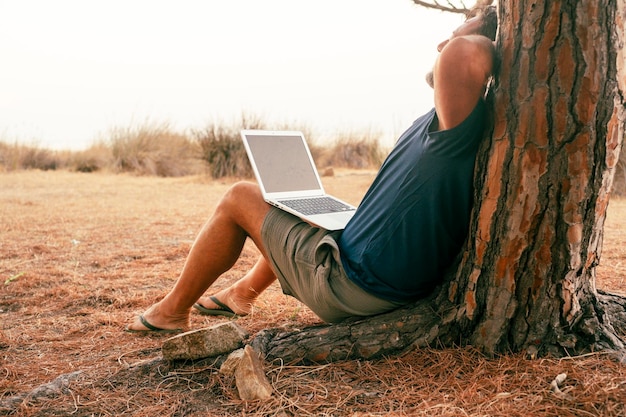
column 316, row 205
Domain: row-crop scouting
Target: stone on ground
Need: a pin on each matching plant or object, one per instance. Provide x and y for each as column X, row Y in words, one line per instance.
column 203, row 343
column 250, row 378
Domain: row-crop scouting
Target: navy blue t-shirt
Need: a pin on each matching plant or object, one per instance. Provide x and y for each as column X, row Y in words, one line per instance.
column 414, row 218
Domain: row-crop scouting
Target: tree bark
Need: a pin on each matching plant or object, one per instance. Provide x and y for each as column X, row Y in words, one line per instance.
column 526, row 277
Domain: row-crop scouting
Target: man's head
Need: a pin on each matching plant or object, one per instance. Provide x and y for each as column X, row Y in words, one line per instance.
column 489, row 20
column 480, row 20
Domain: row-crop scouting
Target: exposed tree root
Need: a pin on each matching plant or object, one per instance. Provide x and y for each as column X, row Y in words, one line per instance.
column 53, row 388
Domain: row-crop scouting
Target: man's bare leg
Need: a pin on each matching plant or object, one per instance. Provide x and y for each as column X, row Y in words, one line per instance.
column 240, row 296
column 239, row 215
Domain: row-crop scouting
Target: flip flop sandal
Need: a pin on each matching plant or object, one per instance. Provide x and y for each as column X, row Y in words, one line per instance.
column 151, row 328
column 224, row 310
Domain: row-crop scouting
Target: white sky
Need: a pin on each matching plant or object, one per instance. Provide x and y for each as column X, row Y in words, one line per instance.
column 73, row 69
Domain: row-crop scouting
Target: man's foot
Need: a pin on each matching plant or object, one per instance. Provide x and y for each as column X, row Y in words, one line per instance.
column 152, row 321
column 222, row 310
column 225, row 303
column 147, row 327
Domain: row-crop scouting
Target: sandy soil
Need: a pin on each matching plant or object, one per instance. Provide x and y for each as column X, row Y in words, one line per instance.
column 81, row 254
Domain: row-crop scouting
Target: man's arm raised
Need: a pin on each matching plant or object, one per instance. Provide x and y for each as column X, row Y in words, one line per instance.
column 461, row 74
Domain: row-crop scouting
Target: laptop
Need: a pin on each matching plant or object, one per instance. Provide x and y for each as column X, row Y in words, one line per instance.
column 286, row 173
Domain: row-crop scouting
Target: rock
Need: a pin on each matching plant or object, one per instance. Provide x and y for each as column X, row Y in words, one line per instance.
column 250, row 378
column 231, row 363
column 203, row 343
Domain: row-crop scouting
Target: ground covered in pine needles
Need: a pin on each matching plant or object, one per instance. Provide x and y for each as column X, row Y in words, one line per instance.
column 82, row 254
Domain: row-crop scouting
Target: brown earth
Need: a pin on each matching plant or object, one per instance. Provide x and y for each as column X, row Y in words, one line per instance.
column 81, row 254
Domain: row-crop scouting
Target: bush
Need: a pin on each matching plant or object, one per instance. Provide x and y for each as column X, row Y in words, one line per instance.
column 222, row 148
column 352, row 150
column 155, row 149
column 95, row 158
column 152, row 150
column 16, row 156
column 223, row 151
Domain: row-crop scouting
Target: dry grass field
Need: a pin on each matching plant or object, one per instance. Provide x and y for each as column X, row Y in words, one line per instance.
column 81, row 254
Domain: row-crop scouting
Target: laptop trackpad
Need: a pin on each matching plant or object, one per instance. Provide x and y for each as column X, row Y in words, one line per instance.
column 334, row 221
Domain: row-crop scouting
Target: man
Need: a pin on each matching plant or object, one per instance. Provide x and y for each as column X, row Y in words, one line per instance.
column 407, row 230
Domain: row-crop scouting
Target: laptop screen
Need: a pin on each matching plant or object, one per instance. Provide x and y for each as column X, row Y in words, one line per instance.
column 283, row 162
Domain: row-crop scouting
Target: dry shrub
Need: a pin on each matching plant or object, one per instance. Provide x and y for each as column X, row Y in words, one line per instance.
column 352, row 150
column 156, row 149
column 95, row 158
column 223, row 151
column 17, row 156
column 153, row 149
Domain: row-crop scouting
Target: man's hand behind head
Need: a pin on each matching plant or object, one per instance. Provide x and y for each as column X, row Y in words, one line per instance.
column 460, row 76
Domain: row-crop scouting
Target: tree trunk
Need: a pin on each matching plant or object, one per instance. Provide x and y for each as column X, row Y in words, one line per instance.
column 529, row 271
column 529, row 274
column 526, row 278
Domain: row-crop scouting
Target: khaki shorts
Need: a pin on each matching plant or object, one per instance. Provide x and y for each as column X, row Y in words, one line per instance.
column 307, row 263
